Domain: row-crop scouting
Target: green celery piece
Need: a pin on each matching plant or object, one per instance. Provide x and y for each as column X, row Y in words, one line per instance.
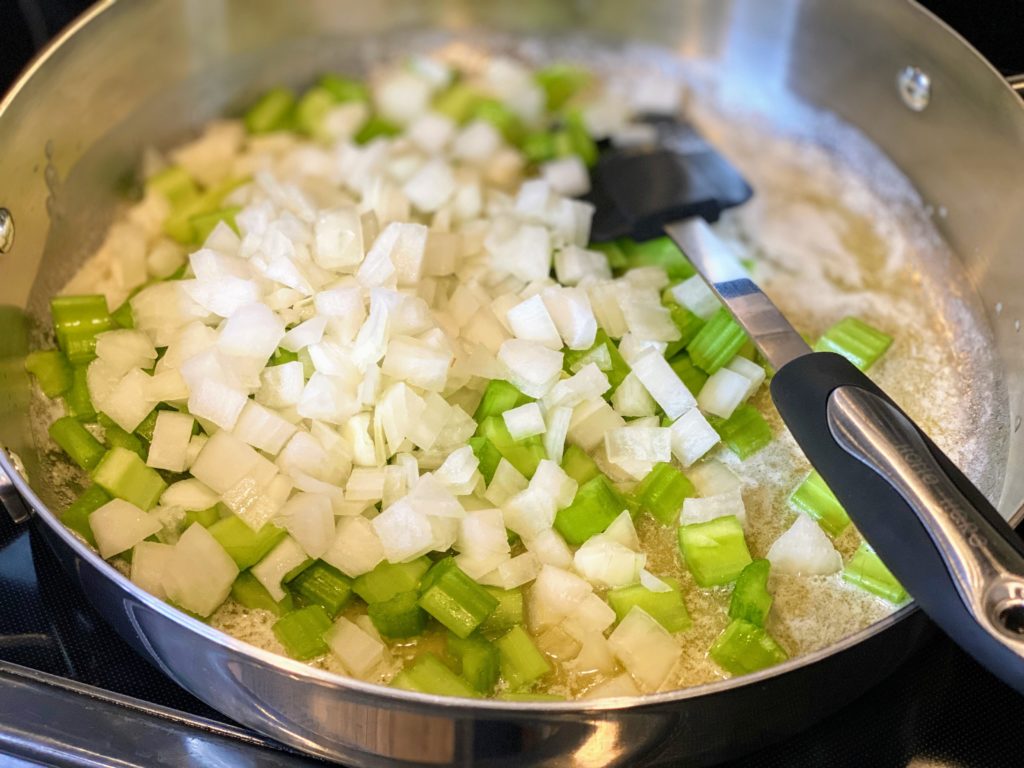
column 613, row 251
column 539, row 146
column 52, row 370
column 717, row 342
column 375, row 127
column 593, row 509
column 745, row 432
column 574, row 139
column 750, row 599
column 301, row 632
column 344, row 89
column 312, row 109
column 297, row 571
column 323, row 584
column 501, row 117
column 76, row 516
column 560, row 83
column 123, row 315
column 282, row 356
column 77, row 442
column 529, row 696
column 657, row 252
column 816, row 499
column 398, row 617
column 147, row 426
column 205, row 517
column 454, row 599
column 715, row 551
column 667, row 608
column 116, row 437
column 619, row 370
column 77, row 320
column 692, row 376
column 744, row 647
column 181, row 225
column 430, row 675
column 524, row 454
column 388, row 579
column 508, row 613
column 689, row 326
column 855, row 340
column 76, row 399
column 499, row 396
column 249, row 593
column 246, row 546
column 204, row 223
column 476, row 660
column 175, row 184
column 578, row 465
column 867, row 571
column 458, row 101
column 488, row 455
column 124, row 475
column 272, row 112
column 662, row 491
column 522, row 664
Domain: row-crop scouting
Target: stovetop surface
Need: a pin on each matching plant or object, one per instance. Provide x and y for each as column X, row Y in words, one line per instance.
column 940, row 709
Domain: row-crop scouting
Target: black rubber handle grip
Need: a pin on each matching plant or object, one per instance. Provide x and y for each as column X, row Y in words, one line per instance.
column 802, row 390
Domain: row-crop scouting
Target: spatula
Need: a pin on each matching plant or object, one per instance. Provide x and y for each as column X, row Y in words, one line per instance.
column 937, row 533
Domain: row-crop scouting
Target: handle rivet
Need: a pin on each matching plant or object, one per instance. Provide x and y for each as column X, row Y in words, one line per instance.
column 6, row 230
column 915, row 87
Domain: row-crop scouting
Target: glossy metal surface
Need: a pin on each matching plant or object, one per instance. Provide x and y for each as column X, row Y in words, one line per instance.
column 136, row 73
column 767, row 327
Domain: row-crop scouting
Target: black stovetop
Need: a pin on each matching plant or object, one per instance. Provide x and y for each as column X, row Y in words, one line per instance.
column 63, row 671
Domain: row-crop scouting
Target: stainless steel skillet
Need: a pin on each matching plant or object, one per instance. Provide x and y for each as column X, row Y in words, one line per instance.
column 132, row 73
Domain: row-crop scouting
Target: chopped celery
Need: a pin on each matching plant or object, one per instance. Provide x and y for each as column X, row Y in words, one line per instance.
column 430, row 675
column 203, row 223
column 745, row 432
column 539, row 146
column 344, row 89
column 374, row 128
column 596, row 505
column 298, row 570
column 249, row 593
column 454, row 599
column 282, row 356
column 77, row 320
column 715, row 551
column 246, row 546
column 205, row 517
column 181, row 226
column 76, row 399
column 52, row 370
column 613, row 252
column 499, row 396
column 76, row 516
column 301, row 632
column 717, row 342
column 522, row 664
column 817, row 500
column 578, row 465
column 124, row 475
column 750, row 598
column 116, row 437
column 867, row 571
column 147, row 426
column 744, row 647
column 457, row 101
column 619, row 369
column 689, row 326
column 692, row 376
column 508, row 613
column 657, row 252
column 855, row 340
column 662, row 491
column 323, row 584
column 388, row 579
column 77, row 442
column 488, row 455
column 524, row 455
column 560, row 83
column 501, row 117
column 476, row 660
column 273, row 111
column 175, row 184
column 574, row 139
column 123, row 316
column 667, row 608
column 399, row 616
column 312, row 109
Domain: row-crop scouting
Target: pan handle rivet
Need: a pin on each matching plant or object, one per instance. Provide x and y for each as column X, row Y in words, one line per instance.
column 6, row 230
column 915, row 87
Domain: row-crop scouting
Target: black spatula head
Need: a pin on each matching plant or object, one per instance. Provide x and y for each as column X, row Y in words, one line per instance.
column 636, row 191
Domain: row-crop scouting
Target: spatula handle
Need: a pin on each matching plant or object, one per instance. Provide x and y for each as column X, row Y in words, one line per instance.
column 938, row 534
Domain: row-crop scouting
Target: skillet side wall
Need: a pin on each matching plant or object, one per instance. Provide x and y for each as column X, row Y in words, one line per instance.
column 150, row 72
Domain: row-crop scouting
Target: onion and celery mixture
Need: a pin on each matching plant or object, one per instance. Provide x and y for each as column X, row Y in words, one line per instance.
column 372, row 383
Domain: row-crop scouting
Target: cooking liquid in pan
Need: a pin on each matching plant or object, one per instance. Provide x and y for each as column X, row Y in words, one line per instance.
column 832, row 234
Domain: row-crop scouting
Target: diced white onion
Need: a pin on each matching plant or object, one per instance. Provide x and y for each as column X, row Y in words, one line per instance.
column 199, row 573
column 357, row 650
column 694, row 294
column 663, row 384
column 701, row 510
column 645, row 648
column 692, row 437
column 118, row 526
column 356, row 548
column 276, row 564
column 723, row 392
column 804, row 549
column 171, row 435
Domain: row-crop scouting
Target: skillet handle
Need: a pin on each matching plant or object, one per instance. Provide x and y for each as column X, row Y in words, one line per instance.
column 938, row 534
